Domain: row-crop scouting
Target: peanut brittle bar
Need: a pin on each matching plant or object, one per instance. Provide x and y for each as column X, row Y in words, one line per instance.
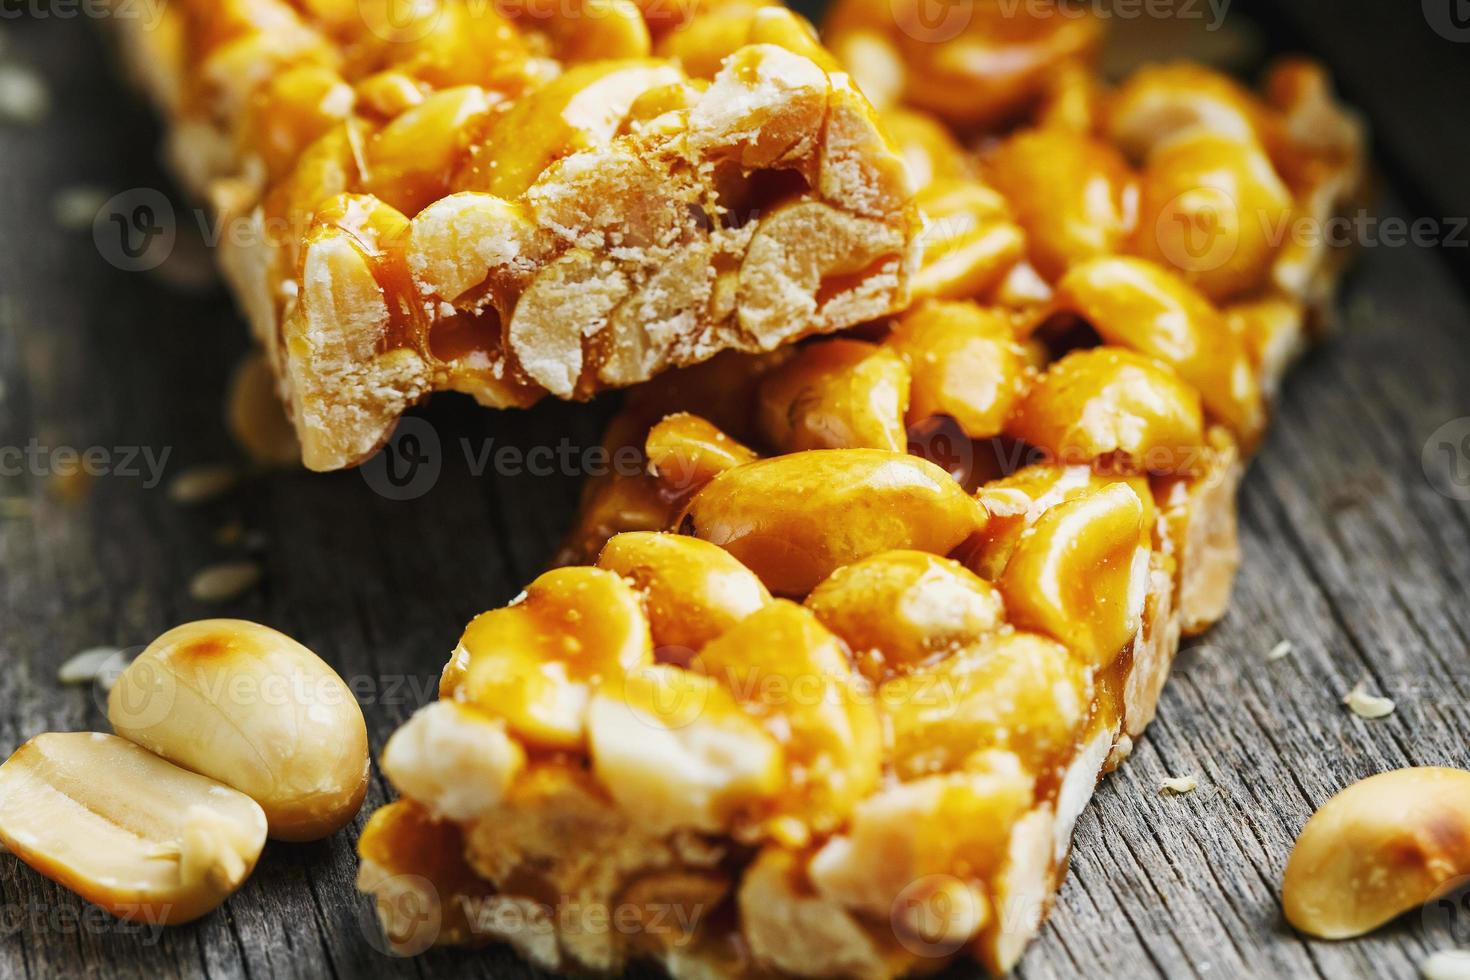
column 822, row 691
column 519, row 200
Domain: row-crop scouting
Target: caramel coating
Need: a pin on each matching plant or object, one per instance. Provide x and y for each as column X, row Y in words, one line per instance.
column 1016, row 691
column 1071, row 193
column 795, row 677
column 899, row 610
column 836, row 394
column 1213, row 210
column 693, row 590
column 535, row 663
column 1099, row 403
column 965, row 363
column 1143, row 306
column 1080, row 573
column 795, row 519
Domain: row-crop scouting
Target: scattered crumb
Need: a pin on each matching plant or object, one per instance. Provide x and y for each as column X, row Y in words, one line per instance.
column 229, row 535
column 203, row 483
column 1281, row 651
column 87, row 666
column 24, row 99
column 225, row 581
column 1178, row 785
column 1447, row 964
column 1366, row 705
column 75, row 208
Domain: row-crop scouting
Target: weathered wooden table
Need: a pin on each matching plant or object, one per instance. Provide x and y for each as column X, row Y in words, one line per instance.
column 1351, row 552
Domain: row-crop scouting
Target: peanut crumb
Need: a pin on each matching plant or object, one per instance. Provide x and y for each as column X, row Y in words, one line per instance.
column 24, row 99
column 225, row 581
column 1447, row 964
column 87, row 666
column 1280, row 651
column 1178, row 785
column 203, row 483
column 1366, row 705
column 75, row 208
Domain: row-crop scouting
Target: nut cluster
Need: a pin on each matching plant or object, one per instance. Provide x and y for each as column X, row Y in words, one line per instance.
column 843, row 665
column 512, row 202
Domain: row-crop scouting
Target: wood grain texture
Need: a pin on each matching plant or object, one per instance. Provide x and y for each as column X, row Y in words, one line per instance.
column 1349, row 552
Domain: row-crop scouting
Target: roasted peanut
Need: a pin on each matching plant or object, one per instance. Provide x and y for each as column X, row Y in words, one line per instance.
column 291, row 110
column 675, row 749
column 1382, row 846
column 716, row 33
column 1016, row 691
column 928, row 148
column 1098, row 403
column 685, row 452
column 1161, row 102
column 1073, row 195
column 409, row 162
column 1212, row 209
column 414, row 867
column 949, row 831
column 693, row 590
column 795, row 677
column 836, row 394
column 251, row 707
column 1017, row 501
column 1080, row 573
column 594, row 30
column 970, row 243
column 793, row 520
column 126, row 830
column 453, row 759
column 582, row 107
column 536, row 662
column 1143, row 306
column 256, row 417
column 965, row 364
column 901, row 609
